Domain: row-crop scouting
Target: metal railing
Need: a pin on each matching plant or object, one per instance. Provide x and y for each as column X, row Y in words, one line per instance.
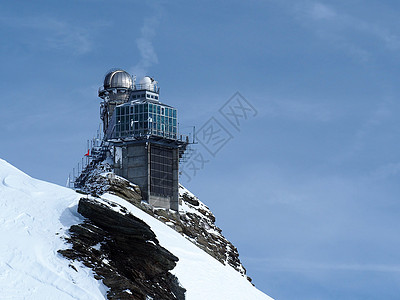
column 136, row 87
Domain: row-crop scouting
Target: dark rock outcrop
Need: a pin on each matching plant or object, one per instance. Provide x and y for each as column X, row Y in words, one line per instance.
column 194, row 220
column 123, row 251
column 101, row 180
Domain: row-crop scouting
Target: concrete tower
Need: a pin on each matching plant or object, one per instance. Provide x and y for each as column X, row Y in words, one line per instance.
column 142, row 134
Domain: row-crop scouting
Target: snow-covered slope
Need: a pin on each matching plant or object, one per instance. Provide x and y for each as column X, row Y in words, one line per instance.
column 35, row 216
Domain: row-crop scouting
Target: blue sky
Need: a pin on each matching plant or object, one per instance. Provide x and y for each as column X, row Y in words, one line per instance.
column 307, row 189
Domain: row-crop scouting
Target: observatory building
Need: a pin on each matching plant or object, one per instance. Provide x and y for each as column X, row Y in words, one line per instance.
column 141, row 134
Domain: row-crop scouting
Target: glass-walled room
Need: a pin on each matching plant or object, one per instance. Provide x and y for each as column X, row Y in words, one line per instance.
column 142, row 119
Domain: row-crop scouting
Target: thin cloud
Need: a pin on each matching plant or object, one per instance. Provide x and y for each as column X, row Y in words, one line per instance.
column 344, row 30
column 64, row 36
column 298, row 110
column 380, row 114
column 291, row 265
column 47, row 32
column 386, row 171
column 148, row 55
column 320, row 11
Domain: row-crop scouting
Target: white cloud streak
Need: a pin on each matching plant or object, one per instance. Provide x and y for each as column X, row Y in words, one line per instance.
column 52, row 34
column 148, row 55
column 343, row 30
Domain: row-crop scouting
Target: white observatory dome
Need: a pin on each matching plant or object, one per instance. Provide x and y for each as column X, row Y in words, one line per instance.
column 118, row 79
column 147, row 83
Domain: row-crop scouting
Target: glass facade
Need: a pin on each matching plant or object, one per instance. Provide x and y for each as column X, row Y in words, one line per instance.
column 161, row 160
column 142, row 119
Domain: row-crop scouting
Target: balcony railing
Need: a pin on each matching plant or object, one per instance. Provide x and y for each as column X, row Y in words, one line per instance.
column 137, row 87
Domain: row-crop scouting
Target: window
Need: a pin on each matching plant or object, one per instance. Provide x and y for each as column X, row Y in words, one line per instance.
column 145, row 118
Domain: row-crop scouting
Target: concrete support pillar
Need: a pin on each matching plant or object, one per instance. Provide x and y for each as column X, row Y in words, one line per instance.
column 133, row 162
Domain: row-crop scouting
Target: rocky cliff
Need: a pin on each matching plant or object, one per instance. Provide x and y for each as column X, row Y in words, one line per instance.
column 123, row 251
column 194, row 220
